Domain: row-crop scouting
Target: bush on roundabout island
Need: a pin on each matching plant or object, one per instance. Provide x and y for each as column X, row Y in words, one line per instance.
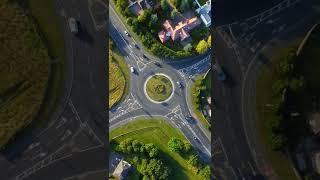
column 159, row 88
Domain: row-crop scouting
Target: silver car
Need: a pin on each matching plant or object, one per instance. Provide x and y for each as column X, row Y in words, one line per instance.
column 73, row 25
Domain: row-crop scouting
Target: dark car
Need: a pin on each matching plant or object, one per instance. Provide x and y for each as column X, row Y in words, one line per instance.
column 221, row 75
column 136, row 46
column 157, row 64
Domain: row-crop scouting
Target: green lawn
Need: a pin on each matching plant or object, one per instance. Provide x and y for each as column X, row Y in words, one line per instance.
column 118, row 76
column 31, row 89
column 200, row 87
column 159, row 88
column 50, row 29
column 277, row 160
column 158, row 132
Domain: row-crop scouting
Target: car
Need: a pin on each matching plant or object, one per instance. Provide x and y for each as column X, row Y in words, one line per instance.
column 132, row 69
column 196, row 139
column 221, row 75
column 157, row 64
column 136, row 46
column 179, row 84
column 73, row 25
column 126, row 33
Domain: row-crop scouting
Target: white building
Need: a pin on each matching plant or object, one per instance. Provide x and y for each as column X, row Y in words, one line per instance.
column 205, row 12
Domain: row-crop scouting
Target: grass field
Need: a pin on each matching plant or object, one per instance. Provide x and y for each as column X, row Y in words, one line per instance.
column 158, row 132
column 159, row 88
column 118, row 76
column 50, row 30
column 200, row 87
column 28, row 30
column 277, row 160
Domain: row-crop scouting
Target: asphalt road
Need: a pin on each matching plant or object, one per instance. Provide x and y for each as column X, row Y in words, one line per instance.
column 73, row 144
column 243, row 48
column 137, row 105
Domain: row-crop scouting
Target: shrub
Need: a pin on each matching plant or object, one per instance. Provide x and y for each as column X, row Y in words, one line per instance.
column 174, row 13
column 175, row 145
column 202, row 47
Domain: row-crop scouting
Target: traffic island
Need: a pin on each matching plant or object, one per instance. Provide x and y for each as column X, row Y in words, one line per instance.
column 158, row 88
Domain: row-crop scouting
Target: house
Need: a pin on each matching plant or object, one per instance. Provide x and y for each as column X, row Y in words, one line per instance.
column 137, row 6
column 118, row 168
column 180, row 31
column 205, row 13
column 122, row 169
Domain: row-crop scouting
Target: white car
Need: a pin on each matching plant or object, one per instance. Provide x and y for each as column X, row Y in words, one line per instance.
column 179, row 84
column 73, row 25
column 126, row 32
column 132, row 69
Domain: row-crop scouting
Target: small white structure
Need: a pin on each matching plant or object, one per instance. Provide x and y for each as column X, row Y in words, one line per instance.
column 205, row 13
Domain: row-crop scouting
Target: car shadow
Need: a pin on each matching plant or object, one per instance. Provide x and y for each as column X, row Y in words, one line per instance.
column 84, row 35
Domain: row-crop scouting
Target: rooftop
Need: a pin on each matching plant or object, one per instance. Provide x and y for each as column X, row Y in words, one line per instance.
column 181, row 30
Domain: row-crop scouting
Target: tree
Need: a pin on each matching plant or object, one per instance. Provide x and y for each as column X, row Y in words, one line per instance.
column 202, row 47
column 153, row 19
column 174, row 13
column 187, row 47
column 175, row 145
column 152, row 150
column 122, row 4
column 164, row 5
column 205, row 173
column 296, row 83
column 144, row 17
column 136, row 145
column 193, row 160
column 187, row 147
column 129, row 21
column 125, row 145
column 176, row 3
column 184, row 6
column 209, row 41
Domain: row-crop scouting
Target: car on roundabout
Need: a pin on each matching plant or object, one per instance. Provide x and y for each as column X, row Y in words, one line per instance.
column 132, row 69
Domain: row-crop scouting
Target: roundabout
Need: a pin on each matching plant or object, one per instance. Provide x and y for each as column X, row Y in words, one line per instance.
column 158, row 88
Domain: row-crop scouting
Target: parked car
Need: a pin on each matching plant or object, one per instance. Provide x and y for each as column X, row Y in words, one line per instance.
column 132, row 69
column 136, row 46
column 73, row 25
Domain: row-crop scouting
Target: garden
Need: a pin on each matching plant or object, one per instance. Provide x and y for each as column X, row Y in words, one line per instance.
column 148, row 24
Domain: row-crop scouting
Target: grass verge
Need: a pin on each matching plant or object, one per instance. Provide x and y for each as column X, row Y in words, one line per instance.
column 278, row 160
column 29, row 49
column 158, row 132
column 50, row 30
column 119, row 76
column 200, row 88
